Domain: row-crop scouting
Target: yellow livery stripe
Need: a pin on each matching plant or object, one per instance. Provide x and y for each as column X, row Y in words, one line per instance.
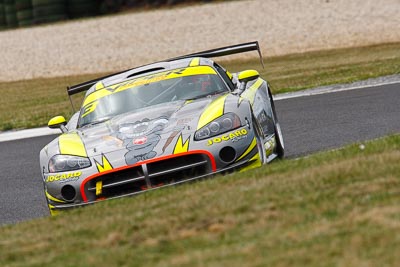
column 53, row 212
column 195, row 62
column 71, row 144
column 181, row 146
column 50, row 197
column 255, row 162
column 250, row 93
column 99, row 85
column 165, row 75
column 90, row 108
column 249, row 149
column 214, row 110
column 104, row 166
column 96, row 95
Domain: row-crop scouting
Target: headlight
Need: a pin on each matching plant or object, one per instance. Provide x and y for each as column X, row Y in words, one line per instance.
column 63, row 163
column 227, row 122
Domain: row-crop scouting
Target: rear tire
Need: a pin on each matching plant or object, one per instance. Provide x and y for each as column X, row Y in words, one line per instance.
column 280, row 146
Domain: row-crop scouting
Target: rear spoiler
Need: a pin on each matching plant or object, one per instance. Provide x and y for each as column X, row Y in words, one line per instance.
column 218, row 52
column 225, row 51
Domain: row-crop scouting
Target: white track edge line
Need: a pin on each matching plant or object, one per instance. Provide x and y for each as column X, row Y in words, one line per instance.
column 311, row 92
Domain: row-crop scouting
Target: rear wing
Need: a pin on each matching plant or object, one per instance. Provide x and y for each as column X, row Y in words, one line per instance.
column 218, row 52
column 225, row 51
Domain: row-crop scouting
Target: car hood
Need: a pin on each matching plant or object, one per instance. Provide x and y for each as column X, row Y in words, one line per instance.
column 154, row 126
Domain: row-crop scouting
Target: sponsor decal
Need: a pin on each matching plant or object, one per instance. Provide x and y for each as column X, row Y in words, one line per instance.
column 140, row 138
column 184, row 121
column 171, row 74
column 233, row 136
column 181, row 146
column 64, row 177
column 269, row 146
column 147, row 79
column 90, row 108
column 181, row 124
column 140, row 141
column 262, row 117
column 104, row 165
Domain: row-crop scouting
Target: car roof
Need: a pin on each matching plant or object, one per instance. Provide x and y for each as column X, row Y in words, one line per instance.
column 154, row 68
column 171, row 63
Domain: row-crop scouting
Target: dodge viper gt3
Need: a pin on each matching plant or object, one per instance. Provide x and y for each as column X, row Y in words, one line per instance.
column 160, row 124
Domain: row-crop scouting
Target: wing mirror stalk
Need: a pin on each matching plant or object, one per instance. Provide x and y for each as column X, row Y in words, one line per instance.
column 246, row 76
column 58, row 122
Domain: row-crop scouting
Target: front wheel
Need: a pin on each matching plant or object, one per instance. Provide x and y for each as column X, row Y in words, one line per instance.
column 280, row 147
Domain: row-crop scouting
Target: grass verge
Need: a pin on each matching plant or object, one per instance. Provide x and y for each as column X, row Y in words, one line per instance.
column 31, row 103
column 337, row 208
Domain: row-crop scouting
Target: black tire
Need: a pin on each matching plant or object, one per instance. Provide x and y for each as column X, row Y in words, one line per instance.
column 280, row 147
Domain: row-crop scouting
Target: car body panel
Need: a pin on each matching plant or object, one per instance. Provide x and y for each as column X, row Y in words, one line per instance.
column 159, row 145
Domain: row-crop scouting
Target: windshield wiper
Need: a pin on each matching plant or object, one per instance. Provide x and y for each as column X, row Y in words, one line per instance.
column 203, row 96
column 101, row 120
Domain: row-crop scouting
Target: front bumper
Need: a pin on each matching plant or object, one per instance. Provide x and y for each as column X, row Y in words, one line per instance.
column 56, row 207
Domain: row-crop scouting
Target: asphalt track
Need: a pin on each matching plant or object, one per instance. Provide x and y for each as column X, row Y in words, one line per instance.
column 309, row 124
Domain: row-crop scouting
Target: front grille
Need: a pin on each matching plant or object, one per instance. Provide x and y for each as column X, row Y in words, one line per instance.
column 148, row 175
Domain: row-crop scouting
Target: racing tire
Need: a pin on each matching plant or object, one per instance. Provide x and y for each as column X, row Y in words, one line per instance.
column 280, row 146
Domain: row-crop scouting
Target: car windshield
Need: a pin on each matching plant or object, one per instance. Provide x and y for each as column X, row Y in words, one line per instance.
column 180, row 84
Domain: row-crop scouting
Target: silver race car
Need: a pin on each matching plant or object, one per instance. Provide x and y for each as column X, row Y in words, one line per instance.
column 161, row 124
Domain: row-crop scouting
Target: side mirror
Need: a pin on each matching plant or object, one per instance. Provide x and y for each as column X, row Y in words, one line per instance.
column 58, row 122
column 246, row 76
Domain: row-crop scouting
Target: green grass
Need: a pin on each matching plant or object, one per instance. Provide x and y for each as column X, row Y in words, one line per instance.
column 31, row 103
column 338, row 208
column 301, row 71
